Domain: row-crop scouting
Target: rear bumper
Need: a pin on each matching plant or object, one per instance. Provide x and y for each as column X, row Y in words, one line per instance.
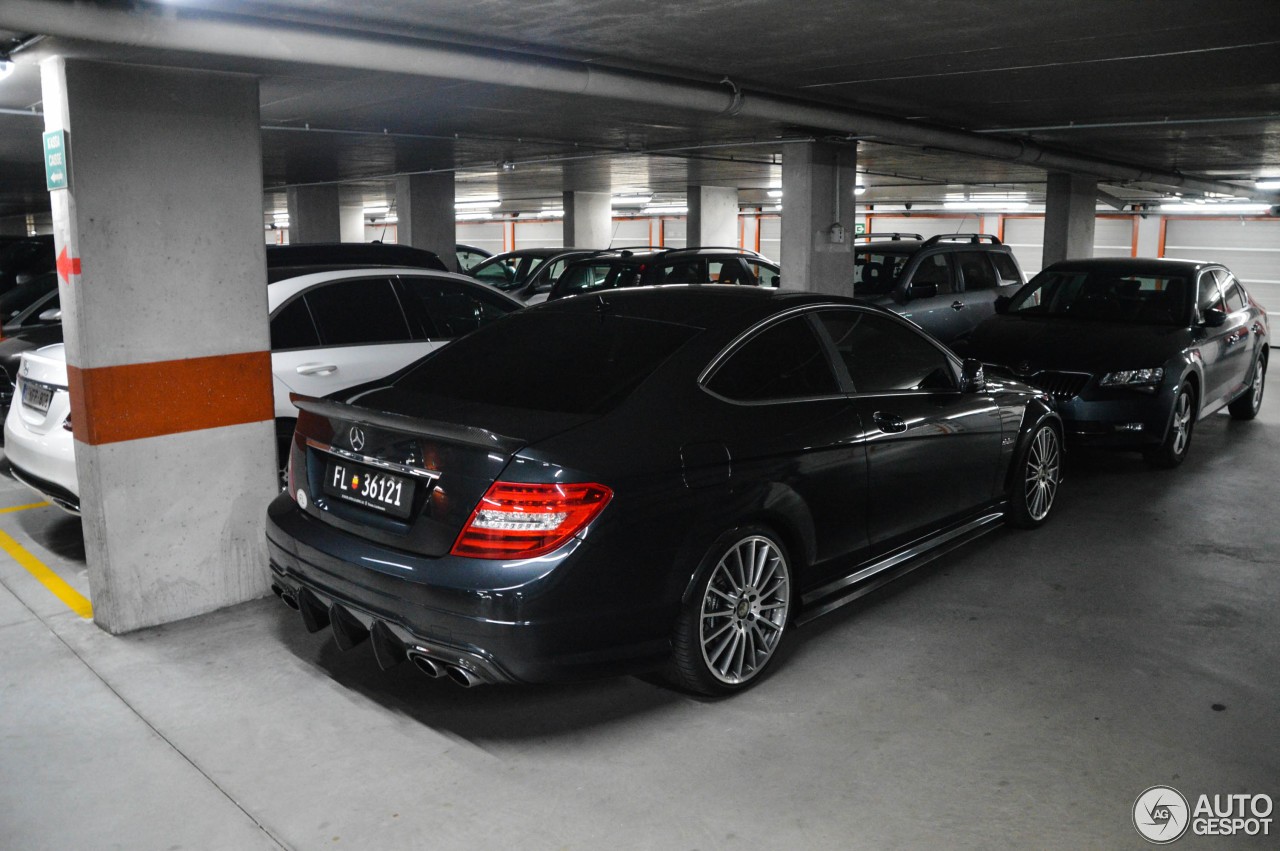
column 520, row 622
column 46, row 463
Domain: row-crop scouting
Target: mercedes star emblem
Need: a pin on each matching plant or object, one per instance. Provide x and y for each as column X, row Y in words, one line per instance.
column 356, row 436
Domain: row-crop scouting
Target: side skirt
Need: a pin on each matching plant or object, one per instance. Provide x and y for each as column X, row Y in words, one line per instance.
column 887, row 568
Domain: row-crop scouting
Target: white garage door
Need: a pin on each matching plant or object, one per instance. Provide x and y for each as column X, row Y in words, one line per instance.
column 1112, row 237
column 926, row 226
column 627, row 232
column 544, row 234
column 486, row 235
column 1248, row 247
column 771, row 236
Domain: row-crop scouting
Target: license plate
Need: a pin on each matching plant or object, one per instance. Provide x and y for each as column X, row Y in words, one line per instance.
column 375, row 489
column 36, row 396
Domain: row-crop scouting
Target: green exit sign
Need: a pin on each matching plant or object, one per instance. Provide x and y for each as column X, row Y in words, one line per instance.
column 55, row 159
column 860, row 227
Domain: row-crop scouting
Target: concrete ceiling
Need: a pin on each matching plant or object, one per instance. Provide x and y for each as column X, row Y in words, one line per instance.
column 1171, row 86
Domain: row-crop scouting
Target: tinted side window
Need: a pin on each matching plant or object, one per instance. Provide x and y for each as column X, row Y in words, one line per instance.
column 1006, row 269
column 766, row 274
column 497, row 272
column 363, row 310
column 693, row 271
column 442, row 308
column 584, row 277
column 977, row 270
column 1231, row 288
column 883, row 356
column 726, row 270
column 934, row 269
column 784, row 361
column 292, row 327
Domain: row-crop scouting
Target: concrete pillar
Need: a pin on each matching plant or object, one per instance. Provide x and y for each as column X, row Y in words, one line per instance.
column 818, row 180
column 1069, row 209
column 425, row 214
column 351, row 223
column 713, row 216
column 588, row 219
column 313, row 214
column 165, row 317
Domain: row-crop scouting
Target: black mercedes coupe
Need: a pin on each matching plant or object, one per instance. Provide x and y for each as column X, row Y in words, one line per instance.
column 656, row 478
column 1133, row 351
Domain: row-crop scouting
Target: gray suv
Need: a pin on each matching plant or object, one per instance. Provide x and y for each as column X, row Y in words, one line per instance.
column 946, row 284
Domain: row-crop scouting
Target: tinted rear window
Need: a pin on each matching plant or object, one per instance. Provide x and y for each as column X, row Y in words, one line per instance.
column 541, row 361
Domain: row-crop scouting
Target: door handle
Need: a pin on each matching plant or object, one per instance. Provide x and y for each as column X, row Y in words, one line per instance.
column 316, row 368
column 957, row 305
column 889, row 423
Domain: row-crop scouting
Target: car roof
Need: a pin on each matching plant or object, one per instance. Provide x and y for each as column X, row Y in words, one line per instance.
column 1131, row 265
column 701, row 305
column 350, row 254
column 280, row 291
column 533, row 252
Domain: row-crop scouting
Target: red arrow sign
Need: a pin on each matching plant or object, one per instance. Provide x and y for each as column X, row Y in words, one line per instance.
column 68, row 266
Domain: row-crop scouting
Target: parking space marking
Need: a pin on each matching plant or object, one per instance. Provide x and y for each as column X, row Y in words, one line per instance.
column 46, row 577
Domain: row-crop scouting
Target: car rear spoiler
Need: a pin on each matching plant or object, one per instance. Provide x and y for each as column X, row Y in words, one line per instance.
column 452, row 432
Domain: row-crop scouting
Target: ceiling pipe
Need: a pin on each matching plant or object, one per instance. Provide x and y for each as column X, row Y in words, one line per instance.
column 172, row 29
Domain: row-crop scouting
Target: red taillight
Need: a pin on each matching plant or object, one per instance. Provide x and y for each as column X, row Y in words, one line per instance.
column 515, row 520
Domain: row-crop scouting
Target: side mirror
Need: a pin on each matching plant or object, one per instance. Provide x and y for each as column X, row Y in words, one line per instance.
column 922, row 291
column 53, row 314
column 1002, row 304
column 1214, row 318
column 972, row 377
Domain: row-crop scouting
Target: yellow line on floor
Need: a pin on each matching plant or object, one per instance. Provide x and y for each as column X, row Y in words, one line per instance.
column 23, row 507
column 47, row 577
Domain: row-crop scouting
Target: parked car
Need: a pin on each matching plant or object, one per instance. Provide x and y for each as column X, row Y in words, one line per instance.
column 469, row 256
column 332, row 330
column 329, row 331
column 538, row 285
column 288, row 261
column 1133, row 351
column 648, row 477
column 511, row 270
column 36, row 325
column 25, row 259
column 37, row 429
column 628, row 268
column 945, row 284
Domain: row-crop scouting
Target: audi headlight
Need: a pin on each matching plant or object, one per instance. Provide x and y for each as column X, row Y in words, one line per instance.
column 1133, row 377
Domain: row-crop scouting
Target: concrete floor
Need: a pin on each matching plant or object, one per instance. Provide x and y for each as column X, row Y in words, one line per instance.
column 1019, row 693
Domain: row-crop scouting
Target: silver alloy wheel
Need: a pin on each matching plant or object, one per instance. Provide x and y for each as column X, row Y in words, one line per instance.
column 1044, row 468
column 1256, row 389
column 1181, row 422
column 744, row 610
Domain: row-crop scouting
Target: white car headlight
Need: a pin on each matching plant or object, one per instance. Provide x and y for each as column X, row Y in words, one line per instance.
column 1133, row 377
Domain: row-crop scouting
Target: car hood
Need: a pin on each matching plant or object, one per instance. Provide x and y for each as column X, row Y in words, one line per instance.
column 1031, row 344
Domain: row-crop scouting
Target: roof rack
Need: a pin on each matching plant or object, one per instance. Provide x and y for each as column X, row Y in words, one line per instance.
column 894, row 236
column 974, row 238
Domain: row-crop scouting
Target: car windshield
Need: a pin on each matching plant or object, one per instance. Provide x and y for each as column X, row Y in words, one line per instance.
column 1106, row 295
column 581, row 363
column 875, row 272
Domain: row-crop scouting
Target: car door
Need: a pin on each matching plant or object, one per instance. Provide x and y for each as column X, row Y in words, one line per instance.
column 1240, row 348
column 357, row 332
column 1215, row 343
column 979, row 285
column 933, row 452
column 929, row 296
column 789, row 422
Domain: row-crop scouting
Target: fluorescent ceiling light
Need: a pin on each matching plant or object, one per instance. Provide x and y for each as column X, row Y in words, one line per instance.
column 859, row 189
column 280, row 217
column 477, row 216
column 376, row 210
column 485, row 204
column 1226, row 209
column 659, row 209
column 774, row 193
column 984, row 205
column 1267, row 183
column 551, row 214
column 630, row 200
column 391, row 218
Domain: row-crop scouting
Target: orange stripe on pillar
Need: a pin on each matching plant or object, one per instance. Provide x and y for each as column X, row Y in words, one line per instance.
column 115, row 403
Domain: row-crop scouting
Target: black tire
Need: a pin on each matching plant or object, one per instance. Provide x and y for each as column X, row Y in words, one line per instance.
column 1177, row 439
column 737, row 615
column 1037, row 472
column 1248, row 405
